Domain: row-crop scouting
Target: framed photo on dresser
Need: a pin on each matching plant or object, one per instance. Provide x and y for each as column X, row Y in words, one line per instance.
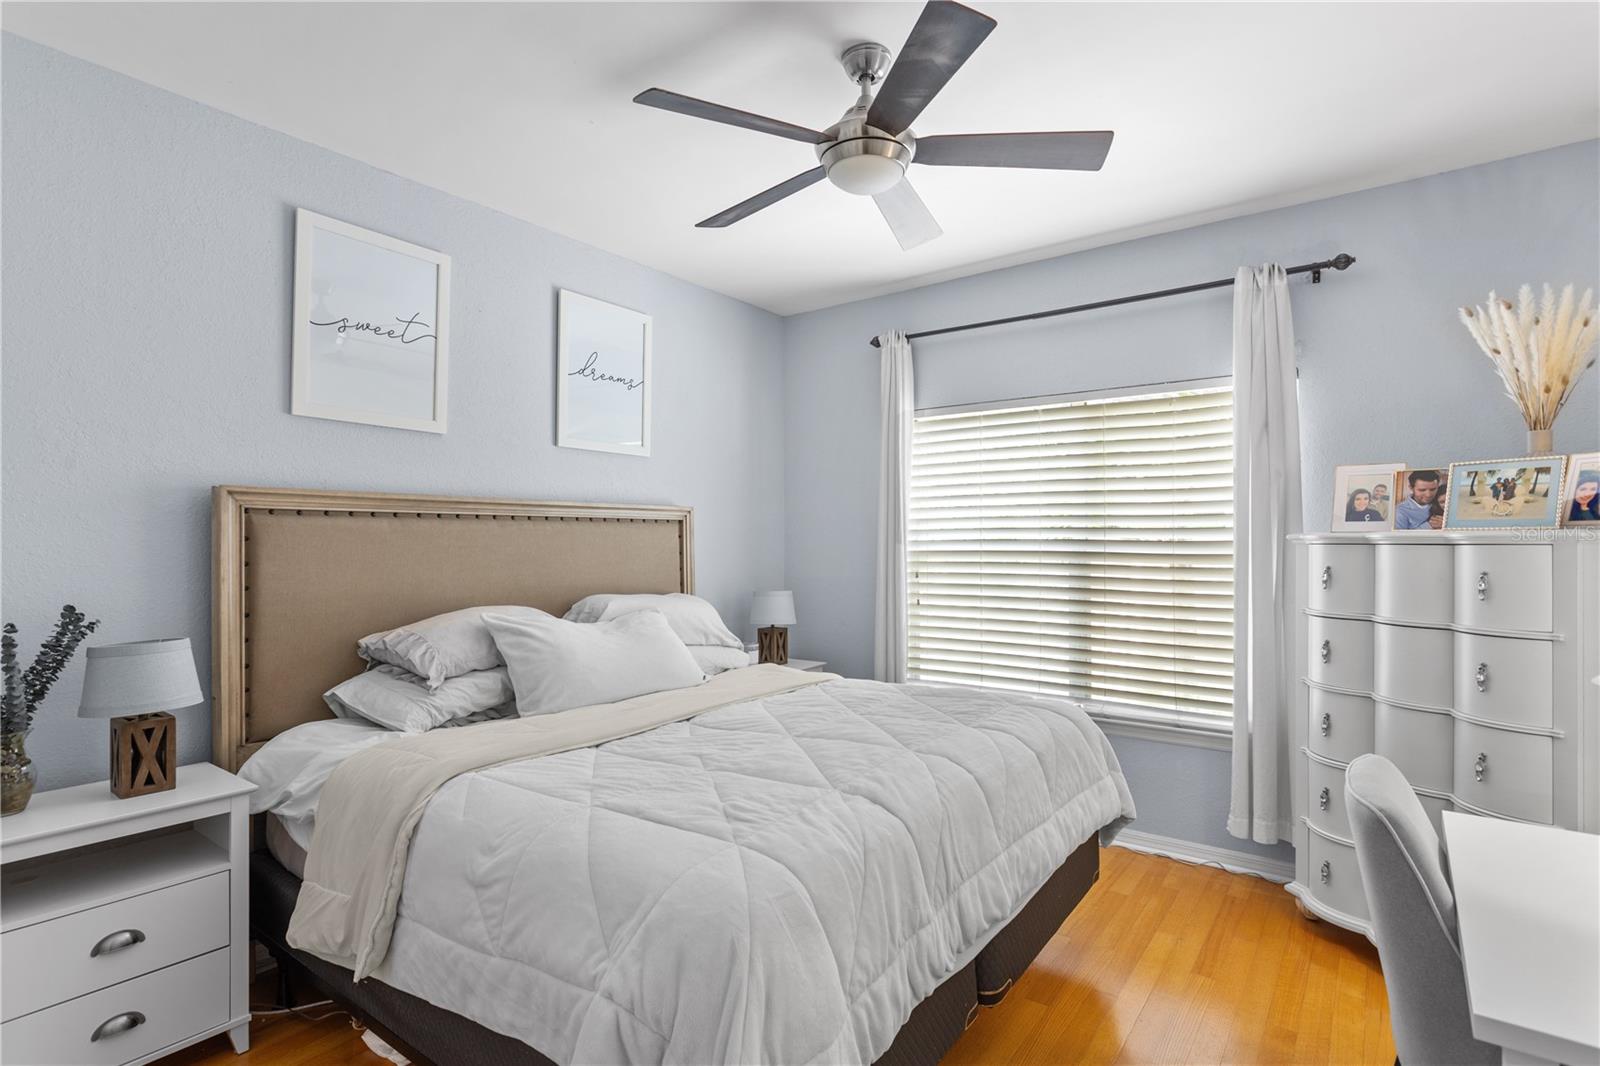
column 1363, row 497
column 1505, row 493
column 1420, row 493
column 1580, row 499
column 371, row 327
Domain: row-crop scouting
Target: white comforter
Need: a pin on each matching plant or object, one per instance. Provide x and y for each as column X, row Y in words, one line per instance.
column 781, row 880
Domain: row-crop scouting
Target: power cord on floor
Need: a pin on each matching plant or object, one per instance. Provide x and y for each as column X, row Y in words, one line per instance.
column 300, row 1012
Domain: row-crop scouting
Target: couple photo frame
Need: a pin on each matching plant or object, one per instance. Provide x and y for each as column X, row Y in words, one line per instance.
column 1528, row 492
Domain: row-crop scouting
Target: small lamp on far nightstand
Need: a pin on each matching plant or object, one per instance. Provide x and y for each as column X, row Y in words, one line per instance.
column 771, row 613
column 135, row 685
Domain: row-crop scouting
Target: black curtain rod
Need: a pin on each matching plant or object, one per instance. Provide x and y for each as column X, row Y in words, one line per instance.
column 1338, row 262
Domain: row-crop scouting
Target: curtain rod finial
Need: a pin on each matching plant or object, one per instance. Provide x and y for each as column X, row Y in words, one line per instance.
column 1343, row 261
column 875, row 343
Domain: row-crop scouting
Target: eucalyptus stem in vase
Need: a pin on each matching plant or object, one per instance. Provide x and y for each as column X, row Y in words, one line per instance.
column 1538, row 349
column 24, row 691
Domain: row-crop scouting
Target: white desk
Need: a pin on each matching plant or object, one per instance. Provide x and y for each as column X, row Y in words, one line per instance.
column 1528, row 906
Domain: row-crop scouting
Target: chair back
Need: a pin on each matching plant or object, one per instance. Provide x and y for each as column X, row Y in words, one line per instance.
column 1405, row 873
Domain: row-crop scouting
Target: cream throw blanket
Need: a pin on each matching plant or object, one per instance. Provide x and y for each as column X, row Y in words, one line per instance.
column 373, row 801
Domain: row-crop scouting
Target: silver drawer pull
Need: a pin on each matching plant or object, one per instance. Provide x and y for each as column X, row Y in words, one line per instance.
column 1327, row 871
column 117, row 1023
column 122, row 938
column 1327, row 650
column 1322, row 800
column 1480, row 766
column 1327, row 576
column 1327, row 723
column 1481, row 676
column 1483, row 584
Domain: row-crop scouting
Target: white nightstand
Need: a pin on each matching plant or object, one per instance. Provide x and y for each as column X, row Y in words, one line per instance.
column 124, row 923
column 793, row 664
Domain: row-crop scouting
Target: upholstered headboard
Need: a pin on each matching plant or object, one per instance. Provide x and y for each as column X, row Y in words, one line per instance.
column 300, row 575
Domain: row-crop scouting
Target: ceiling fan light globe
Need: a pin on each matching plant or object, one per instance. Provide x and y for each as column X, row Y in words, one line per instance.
column 866, row 175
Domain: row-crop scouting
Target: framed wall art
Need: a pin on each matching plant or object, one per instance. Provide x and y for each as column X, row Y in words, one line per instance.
column 1504, row 493
column 371, row 327
column 602, row 376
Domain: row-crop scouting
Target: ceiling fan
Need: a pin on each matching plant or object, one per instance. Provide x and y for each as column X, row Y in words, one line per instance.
column 868, row 150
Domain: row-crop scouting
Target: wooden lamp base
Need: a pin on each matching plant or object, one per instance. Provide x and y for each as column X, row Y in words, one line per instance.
column 144, row 754
column 773, row 645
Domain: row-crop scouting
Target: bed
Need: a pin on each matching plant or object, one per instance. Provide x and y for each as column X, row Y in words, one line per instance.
column 300, row 575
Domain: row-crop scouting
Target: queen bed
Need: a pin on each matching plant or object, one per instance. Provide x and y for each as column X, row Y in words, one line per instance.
column 767, row 866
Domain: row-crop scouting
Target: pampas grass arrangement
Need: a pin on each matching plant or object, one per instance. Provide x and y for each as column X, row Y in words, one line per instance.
column 1540, row 350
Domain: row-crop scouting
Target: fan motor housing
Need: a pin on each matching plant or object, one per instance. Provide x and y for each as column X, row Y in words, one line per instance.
column 863, row 159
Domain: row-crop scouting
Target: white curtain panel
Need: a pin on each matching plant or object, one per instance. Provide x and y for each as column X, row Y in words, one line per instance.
column 894, row 474
column 1266, row 493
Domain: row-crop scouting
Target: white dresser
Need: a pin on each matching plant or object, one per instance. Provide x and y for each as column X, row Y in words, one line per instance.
column 1464, row 658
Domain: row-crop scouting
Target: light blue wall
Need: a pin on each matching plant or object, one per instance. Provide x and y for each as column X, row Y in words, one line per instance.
column 1386, row 373
column 147, row 270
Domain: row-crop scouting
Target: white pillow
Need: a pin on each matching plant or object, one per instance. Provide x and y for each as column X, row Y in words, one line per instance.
column 557, row 665
column 389, row 696
column 444, row 646
column 694, row 620
column 717, row 660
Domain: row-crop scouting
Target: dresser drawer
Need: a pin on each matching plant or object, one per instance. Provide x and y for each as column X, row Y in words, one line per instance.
column 1325, row 805
column 1412, row 665
column 1504, row 586
column 1335, row 877
column 1340, row 577
column 1504, row 773
column 134, row 1018
column 1415, row 583
column 101, row 946
column 1341, row 725
column 1419, row 743
column 1340, row 652
column 1505, row 679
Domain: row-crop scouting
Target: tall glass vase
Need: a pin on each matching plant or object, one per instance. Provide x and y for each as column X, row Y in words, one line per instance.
column 17, row 773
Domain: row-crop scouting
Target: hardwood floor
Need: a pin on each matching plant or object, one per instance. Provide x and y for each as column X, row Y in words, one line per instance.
column 1161, row 963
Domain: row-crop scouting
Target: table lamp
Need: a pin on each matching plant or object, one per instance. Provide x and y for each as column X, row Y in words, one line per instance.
column 771, row 613
column 135, row 685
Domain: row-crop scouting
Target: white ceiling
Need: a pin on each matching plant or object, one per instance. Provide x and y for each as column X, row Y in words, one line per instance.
column 1219, row 110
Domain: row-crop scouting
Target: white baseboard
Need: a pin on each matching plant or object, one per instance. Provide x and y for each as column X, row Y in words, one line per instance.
column 1235, row 862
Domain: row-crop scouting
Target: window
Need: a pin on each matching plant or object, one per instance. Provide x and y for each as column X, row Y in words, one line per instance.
column 1079, row 548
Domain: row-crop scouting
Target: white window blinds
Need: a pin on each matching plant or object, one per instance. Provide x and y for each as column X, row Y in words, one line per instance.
column 1080, row 549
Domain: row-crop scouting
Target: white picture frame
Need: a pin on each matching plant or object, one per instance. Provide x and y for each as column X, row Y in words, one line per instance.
column 361, row 302
column 603, row 376
column 1364, row 489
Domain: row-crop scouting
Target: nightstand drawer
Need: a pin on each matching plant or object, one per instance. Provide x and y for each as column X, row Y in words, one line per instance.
column 101, row 946
column 132, row 1019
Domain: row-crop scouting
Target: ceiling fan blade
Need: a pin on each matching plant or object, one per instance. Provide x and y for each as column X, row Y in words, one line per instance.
column 731, row 116
column 762, row 199
column 907, row 216
column 1043, row 151
column 946, row 33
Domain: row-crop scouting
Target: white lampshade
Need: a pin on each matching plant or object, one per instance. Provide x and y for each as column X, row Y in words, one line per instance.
column 772, row 609
column 138, row 678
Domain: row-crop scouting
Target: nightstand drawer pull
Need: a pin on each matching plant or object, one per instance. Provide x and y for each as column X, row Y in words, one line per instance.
column 1326, row 873
column 117, row 1023
column 1327, row 576
column 1483, row 584
column 1326, row 723
column 1327, row 651
column 1323, row 799
column 122, row 938
column 1481, row 676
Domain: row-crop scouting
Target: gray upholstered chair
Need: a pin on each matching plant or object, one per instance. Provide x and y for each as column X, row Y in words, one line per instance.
column 1413, row 917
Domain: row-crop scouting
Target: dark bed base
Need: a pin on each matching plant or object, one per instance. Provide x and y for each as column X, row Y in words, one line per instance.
column 427, row 1034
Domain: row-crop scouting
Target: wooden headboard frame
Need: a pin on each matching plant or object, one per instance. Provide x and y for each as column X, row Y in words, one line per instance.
column 299, row 575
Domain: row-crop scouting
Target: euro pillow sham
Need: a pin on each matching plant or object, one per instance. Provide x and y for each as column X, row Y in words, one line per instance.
column 693, row 619
column 394, row 699
column 444, row 646
column 556, row 665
